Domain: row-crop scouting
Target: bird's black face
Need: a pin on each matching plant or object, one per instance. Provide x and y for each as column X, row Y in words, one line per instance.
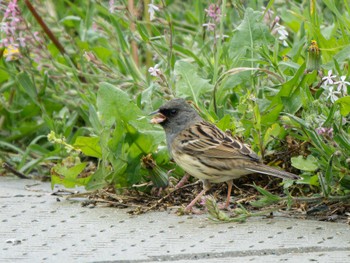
column 174, row 112
column 169, row 114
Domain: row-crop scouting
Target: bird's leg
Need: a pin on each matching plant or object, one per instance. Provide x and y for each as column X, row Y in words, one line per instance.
column 182, row 182
column 206, row 187
column 229, row 190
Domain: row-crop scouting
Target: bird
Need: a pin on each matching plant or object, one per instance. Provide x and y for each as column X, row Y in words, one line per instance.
column 204, row 151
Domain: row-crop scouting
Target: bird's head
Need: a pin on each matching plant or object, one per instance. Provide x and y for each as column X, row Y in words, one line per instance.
column 175, row 115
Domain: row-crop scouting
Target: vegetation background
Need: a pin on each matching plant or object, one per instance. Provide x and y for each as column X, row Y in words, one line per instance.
column 78, row 79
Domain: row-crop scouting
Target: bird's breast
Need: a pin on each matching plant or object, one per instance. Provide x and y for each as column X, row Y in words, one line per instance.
column 202, row 168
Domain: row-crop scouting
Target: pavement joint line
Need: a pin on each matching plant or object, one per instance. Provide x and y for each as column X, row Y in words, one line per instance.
column 231, row 254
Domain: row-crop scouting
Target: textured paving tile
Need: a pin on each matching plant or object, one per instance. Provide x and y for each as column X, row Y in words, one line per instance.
column 35, row 227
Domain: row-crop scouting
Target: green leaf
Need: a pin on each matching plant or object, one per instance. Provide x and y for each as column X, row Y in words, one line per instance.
column 97, row 181
column 272, row 114
column 252, row 32
column 290, row 85
column 344, row 103
column 114, row 105
column 345, row 182
column 94, row 120
column 4, row 75
column 142, row 30
column 89, row 146
column 224, row 123
column 271, row 133
column 268, row 198
column 293, row 102
column 309, row 179
column 328, row 179
column 190, row 84
column 187, row 52
column 68, row 177
column 306, row 164
column 28, row 86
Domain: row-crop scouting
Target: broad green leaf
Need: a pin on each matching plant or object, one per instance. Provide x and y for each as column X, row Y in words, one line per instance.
column 252, row 32
column 344, row 103
column 68, row 177
column 89, row 146
column 103, row 53
column 272, row 114
column 114, row 105
column 306, row 164
column 309, row 180
column 224, row 123
column 291, row 84
column 236, row 79
column 97, row 181
column 190, row 84
column 293, row 102
column 271, row 133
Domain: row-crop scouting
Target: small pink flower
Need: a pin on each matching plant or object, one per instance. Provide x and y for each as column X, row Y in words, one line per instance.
column 325, row 131
column 22, row 41
column 36, row 36
column 154, row 71
column 214, row 12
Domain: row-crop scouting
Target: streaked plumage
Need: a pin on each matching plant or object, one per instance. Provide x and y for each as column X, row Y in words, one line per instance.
column 206, row 152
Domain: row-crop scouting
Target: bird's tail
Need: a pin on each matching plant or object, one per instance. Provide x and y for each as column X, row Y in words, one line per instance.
column 265, row 169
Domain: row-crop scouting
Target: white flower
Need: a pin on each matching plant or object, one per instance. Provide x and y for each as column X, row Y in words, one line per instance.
column 152, row 9
column 328, row 80
column 282, row 32
column 342, row 85
column 111, row 6
column 154, row 71
column 209, row 26
column 332, row 94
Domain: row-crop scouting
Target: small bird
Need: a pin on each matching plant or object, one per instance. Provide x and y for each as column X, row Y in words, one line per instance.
column 205, row 152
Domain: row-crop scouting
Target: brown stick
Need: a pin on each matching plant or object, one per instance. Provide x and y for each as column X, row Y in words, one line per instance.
column 8, row 167
column 45, row 27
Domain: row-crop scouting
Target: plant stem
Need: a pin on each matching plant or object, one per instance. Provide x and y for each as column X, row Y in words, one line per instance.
column 134, row 51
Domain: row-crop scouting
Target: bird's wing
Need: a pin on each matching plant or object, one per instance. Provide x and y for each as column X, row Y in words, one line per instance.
column 207, row 140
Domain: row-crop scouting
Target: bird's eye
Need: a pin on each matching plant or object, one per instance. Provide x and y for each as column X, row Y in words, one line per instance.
column 173, row 112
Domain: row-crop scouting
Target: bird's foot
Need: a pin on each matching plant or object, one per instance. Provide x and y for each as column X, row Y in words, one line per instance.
column 190, row 210
column 224, row 206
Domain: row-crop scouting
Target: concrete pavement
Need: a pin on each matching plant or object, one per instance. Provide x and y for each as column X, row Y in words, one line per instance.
column 35, row 227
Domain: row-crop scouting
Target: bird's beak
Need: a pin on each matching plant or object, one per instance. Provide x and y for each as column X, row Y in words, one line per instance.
column 159, row 118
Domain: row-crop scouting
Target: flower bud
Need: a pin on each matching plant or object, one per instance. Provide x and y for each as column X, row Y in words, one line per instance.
column 314, row 57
